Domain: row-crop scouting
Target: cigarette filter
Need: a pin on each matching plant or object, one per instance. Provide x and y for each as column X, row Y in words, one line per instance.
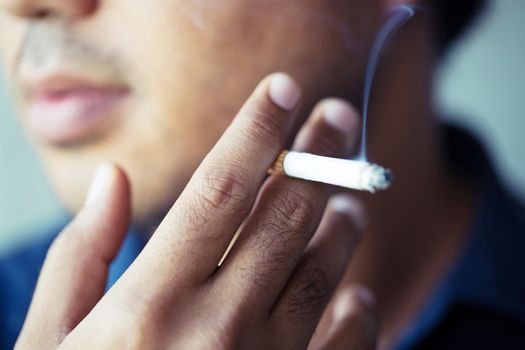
column 353, row 174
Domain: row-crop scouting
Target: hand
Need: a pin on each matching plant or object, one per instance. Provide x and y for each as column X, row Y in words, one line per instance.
column 273, row 287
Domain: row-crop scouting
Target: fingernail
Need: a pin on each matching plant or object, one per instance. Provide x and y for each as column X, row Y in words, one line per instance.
column 342, row 305
column 340, row 116
column 99, row 184
column 345, row 302
column 284, row 91
column 348, row 205
column 364, row 296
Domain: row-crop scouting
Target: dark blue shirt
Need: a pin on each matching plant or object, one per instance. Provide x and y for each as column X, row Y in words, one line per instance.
column 479, row 305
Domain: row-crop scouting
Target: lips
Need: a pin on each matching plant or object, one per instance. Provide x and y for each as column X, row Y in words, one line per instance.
column 64, row 110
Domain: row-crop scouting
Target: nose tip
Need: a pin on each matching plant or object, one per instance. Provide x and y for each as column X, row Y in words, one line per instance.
column 44, row 8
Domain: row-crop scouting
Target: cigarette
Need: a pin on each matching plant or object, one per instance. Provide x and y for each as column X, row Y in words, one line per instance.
column 353, row 174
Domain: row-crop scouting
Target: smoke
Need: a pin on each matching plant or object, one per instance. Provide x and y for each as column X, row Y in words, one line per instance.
column 399, row 16
column 298, row 12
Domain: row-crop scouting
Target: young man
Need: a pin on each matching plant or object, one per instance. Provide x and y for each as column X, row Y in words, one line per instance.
column 153, row 86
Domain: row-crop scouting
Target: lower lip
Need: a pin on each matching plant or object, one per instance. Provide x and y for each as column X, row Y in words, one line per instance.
column 73, row 116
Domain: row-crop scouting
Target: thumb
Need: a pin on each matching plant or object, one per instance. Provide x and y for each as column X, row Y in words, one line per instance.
column 354, row 325
column 74, row 274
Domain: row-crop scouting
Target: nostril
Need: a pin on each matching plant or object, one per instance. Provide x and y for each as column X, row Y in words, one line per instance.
column 40, row 14
column 40, row 9
column 29, row 12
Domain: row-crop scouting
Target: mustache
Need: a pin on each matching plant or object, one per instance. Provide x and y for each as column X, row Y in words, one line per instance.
column 50, row 41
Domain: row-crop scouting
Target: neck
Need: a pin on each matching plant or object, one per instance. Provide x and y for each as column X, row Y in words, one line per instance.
column 418, row 227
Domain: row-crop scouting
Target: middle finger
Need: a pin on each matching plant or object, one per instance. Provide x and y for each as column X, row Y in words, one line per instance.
column 286, row 213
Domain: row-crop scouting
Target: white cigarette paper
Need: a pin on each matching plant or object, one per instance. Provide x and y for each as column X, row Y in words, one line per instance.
column 353, row 174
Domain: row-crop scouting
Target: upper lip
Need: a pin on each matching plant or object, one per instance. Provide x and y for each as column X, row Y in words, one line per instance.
column 62, row 81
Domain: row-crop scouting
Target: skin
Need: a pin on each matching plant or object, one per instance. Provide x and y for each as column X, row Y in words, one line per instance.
column 215, row 55
column 252, row 300
column 168, row 115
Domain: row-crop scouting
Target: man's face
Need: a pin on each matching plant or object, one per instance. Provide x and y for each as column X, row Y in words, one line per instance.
column 153, row 84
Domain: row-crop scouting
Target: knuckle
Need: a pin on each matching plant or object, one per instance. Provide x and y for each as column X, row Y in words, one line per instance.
column 286, row 222
column 139, row 321
column 141, row 330
column 223, row 190
column 324, row 145
column 279, row 231
column 265, row 124
column 59, row 245
column 344, row 230
column 292, row 209
column 141, row 336
column 73, row 242
column 310, row 294
column 66, row 242
column 226, row 333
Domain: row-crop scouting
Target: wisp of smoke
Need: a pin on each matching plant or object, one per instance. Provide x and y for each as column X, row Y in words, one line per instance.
column 397, row 17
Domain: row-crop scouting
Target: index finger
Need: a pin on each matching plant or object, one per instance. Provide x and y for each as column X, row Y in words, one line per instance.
column 196, row 232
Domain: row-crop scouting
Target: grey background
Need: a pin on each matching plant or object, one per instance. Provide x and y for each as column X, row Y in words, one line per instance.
column 481, row 84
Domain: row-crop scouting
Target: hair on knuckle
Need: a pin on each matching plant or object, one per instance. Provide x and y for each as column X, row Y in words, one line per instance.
column 294, row 208
column 286, row 220
column 277, row 229
column 310, row 294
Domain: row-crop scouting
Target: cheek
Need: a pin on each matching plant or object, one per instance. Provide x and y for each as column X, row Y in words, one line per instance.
column 191, row 79
column 203, row 50
column 11, row 38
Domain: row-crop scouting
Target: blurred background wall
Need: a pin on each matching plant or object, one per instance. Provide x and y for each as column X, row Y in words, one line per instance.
column 481, row 84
